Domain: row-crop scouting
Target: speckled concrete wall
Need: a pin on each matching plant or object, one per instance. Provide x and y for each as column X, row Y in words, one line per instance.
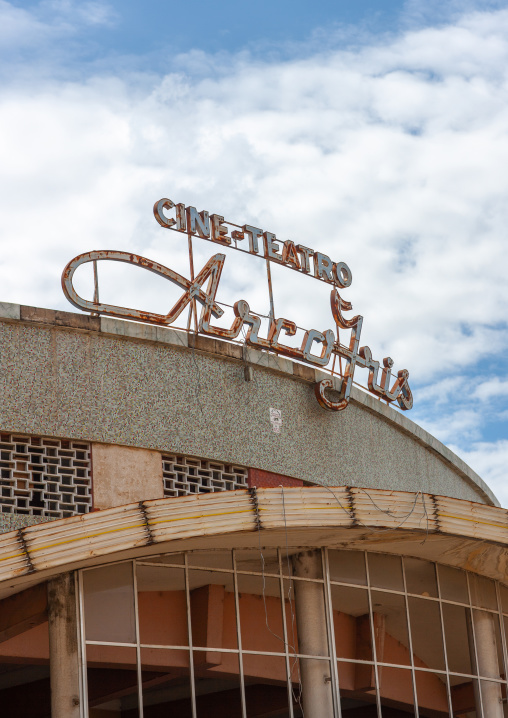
column 12, row 522
column 144, row 390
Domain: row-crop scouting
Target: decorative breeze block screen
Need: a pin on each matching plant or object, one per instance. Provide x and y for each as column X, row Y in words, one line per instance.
column 185, row 475
column 44, row 477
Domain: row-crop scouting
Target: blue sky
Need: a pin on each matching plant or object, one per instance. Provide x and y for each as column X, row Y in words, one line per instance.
column 374, row 131
column 151, row 35
column 168, row 27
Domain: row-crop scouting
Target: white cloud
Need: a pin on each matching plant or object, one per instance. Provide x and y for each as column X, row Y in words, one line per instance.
column 462, row 425
column 490, row 461
column 20, row 28
column 89, row 13
column 491, row 389
column 391, row 157
column 47, row 21
column 442, row 390
column 361, row 154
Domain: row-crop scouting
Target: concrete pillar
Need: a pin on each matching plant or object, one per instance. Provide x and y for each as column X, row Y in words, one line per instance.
column 312, row 636
column 63, row 647
column 486, row 650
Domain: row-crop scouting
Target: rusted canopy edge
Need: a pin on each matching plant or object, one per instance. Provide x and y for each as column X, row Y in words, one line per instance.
column 50, row 548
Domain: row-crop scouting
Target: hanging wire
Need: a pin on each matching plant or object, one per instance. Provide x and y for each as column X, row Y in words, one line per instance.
column 405, row 517
column 279, row 638
column 287, row 646
column 387, row 512
column 297, row 697
column 291, row 647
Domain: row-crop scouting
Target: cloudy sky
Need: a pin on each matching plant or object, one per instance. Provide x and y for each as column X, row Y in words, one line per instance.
column 374, row 131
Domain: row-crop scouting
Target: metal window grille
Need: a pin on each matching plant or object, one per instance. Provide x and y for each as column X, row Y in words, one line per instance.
column 184, row 475
column 239, row 569
column 42, row 476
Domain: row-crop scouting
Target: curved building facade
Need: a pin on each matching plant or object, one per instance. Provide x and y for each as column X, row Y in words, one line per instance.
column 187, row 533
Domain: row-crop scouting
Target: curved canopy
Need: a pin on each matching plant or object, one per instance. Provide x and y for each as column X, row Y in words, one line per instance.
column 452, row 531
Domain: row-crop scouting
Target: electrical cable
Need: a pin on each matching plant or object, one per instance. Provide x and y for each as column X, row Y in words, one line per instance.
column 286, row 644
column 296, row 662
column 387, row 512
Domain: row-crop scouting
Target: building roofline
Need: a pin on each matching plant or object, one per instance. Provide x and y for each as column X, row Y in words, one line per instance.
column 136, row 331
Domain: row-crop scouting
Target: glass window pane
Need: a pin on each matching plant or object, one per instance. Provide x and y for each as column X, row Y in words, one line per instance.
column 396, row 689
column 488, row 644
column 357, row 683
column 198, row 578
column 459, row 647
column 260, row 613
column 290, row 611
column 353, row 635
column 165, row 678
column 465, row 697
column 426, row 633
column 266, row 687
column 109, row 604
column 347, row 567
column 453, row 584
column 296, row 678
column 503, row 590
column 112, row 679
column 504, row 626
column 483, row 592
column 210, row 559
column 213, row 612
column 217, row 686
column 258, row 561
column 171, row 559
column 420, row 577
column 162, row 606
column 431, row 693
column 24, row 668
column 390, row 628
column 385, row 571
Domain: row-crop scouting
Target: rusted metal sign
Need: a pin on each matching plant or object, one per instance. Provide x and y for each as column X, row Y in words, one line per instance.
column 317, row 348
